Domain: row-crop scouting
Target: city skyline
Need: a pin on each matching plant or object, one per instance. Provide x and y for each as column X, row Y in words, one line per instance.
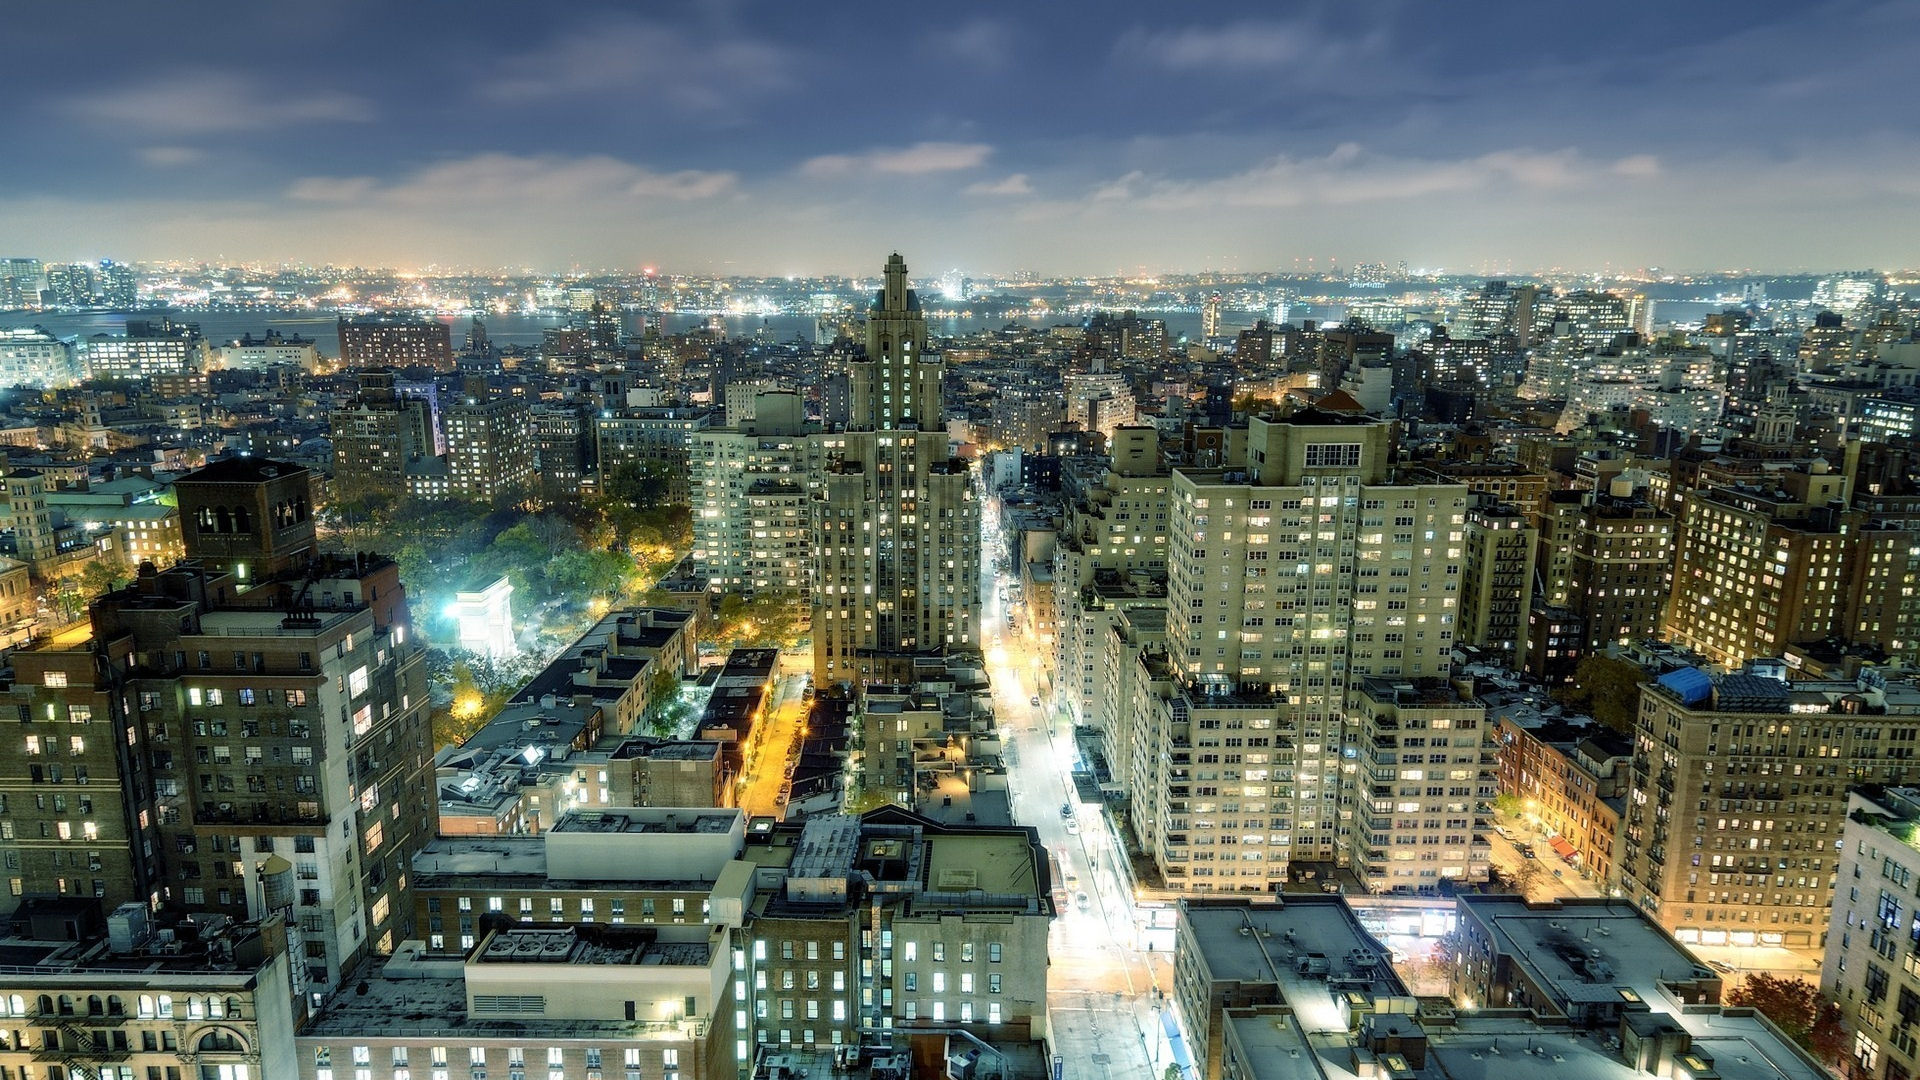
column 722, row 140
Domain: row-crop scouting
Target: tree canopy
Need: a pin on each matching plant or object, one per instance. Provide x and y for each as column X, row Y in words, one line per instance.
column 1797, row 1009
column 1606, row 689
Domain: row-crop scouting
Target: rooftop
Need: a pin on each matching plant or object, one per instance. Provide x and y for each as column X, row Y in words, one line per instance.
column 1268, row 943
column 263, row 623
column 647, row 820
column 1585, row 951
column 594, row 944
column 242, row 470
column 393, row 999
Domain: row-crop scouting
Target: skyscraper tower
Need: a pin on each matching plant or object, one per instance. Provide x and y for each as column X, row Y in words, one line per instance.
column 895, row 523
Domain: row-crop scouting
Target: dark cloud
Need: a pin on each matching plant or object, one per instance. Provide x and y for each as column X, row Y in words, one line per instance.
column 1063, row 137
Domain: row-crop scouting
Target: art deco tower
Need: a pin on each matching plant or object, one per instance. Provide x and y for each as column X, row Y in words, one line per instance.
column 895, row 523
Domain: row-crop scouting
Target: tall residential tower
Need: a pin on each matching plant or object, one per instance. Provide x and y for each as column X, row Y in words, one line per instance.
column 895, row 522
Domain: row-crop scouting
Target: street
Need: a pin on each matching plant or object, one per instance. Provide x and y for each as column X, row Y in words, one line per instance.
column 1553, row 878
column 1096, row 951
column 775, row 741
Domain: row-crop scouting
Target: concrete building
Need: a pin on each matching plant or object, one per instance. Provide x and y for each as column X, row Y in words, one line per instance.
column 617, row 865
column 1738, row 792
column 1232, row 955
column 563, row 444
column 1884, row 573
column 37, row 358
column 1426, row 756
column 569, row 1000
column 110, row 356
column 275, row 706
column 150, row 532
column 892, row 923
column 1293, row 576
column 1620, row 568
column 395, row 344
column 1111, row 554
column 652, row 437
column 1497, row 580
column 1568, row 775
column 751, row 517
column 489, row 445
column 895, row 521
column 1756, row 570
column 1867, row 969
column 1570, row 961
column 201, row 1000
column 1583, row 988
column 274, row 350
column 924, row 745
column 379, row 436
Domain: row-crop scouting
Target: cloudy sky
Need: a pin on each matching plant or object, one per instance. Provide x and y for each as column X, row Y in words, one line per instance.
column 1065, row 138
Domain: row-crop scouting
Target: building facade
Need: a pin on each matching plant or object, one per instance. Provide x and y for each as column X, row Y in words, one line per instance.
column 895, row 520
column 1738, row 793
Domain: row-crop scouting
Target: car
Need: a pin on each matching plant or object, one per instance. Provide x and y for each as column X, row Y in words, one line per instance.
column 1073, row 880
column 1034, row 700
column 1082, row 901
column 1066, row 809
column 1073, row 826
column 1721, row 965
column 1503, row 831
column 1527, row 853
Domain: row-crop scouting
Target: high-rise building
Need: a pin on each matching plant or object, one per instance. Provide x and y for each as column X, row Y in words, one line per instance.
column 1756, row 570
column 895, row 521
column 21, row 283
column 1497, row 580
column 562, row 450
column 752, row 529
column 116, row 285
column 1111, row 554
column 274, row 350
column 69, row 285
column 1885, row 575
column 1621, row 567
column 1415, row 826
column 378, row 436
column 267, row 710
column 652, row 437
column 1739, row 791
column 392, row 343
column 1879, row 997
column 146, row 350
column 1292, row 577
column 36, row 358
column 489, row 445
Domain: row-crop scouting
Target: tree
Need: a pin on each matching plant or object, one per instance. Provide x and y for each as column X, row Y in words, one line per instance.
column 640, row 484
column 1797, row 1009
column 104, row 575
column 1606, row 689
column 1525, row 876
column 762, row 622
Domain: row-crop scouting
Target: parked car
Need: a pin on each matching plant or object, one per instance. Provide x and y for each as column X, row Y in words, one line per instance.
column 1073, row 826
column 1066, row 809
column 1527, row 853
column 1034, row 700
column 1082, row 901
